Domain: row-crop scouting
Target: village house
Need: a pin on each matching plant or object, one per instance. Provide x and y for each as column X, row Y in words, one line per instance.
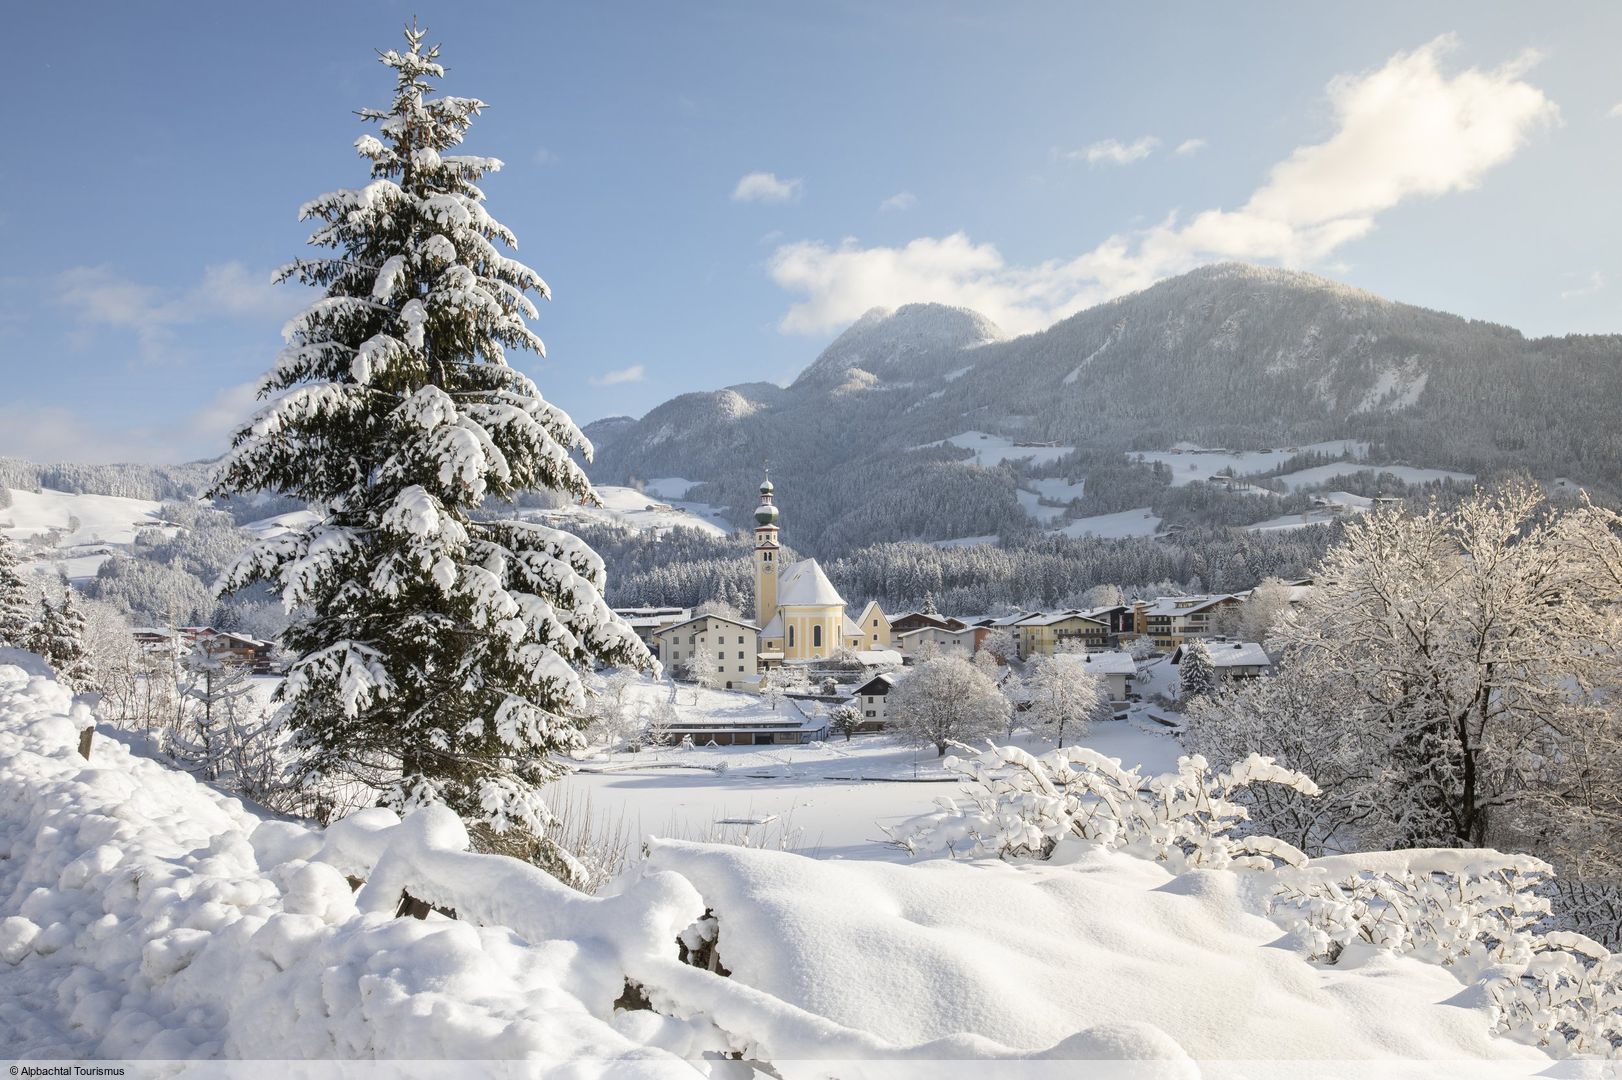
column 225, row 644
column 918, row 620
column 787, row 727
column 960, row 642
column 731, row 646
column 1234, row 659
column 645, row 621
column 871, row 697
column 1172, row 620
column 1116, row 670
column 1044, row 633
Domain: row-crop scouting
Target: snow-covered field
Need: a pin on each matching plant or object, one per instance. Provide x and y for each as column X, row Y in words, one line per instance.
column 1189, row 463
column 995, row 449
column 641, row 510
column 102, row 519
column 1116, row 526
column 670, row 487
column 826, row 799
column 143, row 915
column 1408, row 474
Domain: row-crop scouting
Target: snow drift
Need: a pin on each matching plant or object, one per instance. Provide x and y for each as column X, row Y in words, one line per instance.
column 142, row 914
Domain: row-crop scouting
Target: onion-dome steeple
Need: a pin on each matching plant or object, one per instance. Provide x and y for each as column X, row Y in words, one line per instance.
column 766, row 512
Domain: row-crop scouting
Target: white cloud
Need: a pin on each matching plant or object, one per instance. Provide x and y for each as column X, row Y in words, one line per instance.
column 101, row 298
column 1616, row 111
column 901, row 200
column 766, row 187
column 1190, row 146
column 1115, row 152
column 634, row 373
column 56, row 433
column 1591, row 285
column 1404, row 130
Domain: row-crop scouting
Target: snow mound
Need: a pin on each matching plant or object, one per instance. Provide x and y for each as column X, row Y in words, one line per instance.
column 144, row 915
column 1031, row 954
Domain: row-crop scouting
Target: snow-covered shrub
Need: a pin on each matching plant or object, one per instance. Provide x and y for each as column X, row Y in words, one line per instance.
column 1446, row 905
column 1567, row 999
column 1475, row 911
column 1018, row 805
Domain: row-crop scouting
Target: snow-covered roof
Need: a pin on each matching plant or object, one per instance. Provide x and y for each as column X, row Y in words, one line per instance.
column 773, row 628
column 1102, row 663
column 1047, row 618
column 877, row 657
column 937, row 630
column 870, row 609
column 1227, row 654
column 803, row 584
column 701, row 618
column 1185, row 605
column 878, row 684
column 850, row 628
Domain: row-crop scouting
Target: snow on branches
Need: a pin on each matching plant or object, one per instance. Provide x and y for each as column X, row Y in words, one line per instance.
column 439, row 651
column 1018, row 805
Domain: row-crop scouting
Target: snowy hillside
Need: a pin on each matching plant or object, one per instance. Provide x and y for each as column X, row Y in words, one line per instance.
column 82, row 519
column 144, row 915
column 1223, row 356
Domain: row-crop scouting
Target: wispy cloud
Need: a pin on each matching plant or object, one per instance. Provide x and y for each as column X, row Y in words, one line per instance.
column 766, row 187
column 1115, row 152
column 1616, row 111
column 1190, row 146
column 99, row 298
column 634, row 373
column 52, row 433
column 1405, row 130
column 901, row 200
column 1591, row 285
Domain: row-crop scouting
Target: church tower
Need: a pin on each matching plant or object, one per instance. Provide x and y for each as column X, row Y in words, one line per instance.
column 767, row 556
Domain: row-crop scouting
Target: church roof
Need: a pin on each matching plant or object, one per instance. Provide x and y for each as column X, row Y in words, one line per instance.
column 774, row 628
column 805, row 585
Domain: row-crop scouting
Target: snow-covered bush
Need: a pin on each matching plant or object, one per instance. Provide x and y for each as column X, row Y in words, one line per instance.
column 1473, row 910
column 1018, row 805
column 1567, row 999
column 1448, row 906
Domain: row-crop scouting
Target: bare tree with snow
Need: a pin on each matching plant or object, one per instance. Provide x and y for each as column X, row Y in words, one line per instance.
column 1061, row 695
column 946, row 700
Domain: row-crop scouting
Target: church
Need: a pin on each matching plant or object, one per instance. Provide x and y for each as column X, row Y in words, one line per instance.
column 800, row 613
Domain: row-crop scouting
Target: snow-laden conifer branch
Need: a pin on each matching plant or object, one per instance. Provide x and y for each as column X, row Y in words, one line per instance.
column 439, row 654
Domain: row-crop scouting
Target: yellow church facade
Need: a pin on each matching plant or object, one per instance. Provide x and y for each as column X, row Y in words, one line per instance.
column 800, row 613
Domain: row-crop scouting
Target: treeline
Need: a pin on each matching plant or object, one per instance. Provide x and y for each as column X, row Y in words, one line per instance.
column 155, row 482
column 1044, row 571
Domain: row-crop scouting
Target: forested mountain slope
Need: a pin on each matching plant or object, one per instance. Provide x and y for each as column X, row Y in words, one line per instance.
column 1227, row 355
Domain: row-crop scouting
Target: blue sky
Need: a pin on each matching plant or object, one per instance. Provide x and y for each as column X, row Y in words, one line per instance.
column 713, row 190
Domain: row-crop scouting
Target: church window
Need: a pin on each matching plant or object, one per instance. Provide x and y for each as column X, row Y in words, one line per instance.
column 791, row 637
column 816, row 637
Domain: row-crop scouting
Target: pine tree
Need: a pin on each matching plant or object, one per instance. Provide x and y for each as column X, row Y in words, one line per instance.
column 16, row 607
column 1196, row 674
column 58, row 636
column 440, row 654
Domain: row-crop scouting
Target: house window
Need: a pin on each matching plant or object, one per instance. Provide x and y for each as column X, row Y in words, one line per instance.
column 740, row 654
column 870, row 712
column 816, row 637
column 740, row 639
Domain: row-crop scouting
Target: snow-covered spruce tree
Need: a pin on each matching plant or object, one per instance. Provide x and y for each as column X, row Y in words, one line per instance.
column 1196, row 674
column 439, row 653
column 58, row 636
column 17, row 607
